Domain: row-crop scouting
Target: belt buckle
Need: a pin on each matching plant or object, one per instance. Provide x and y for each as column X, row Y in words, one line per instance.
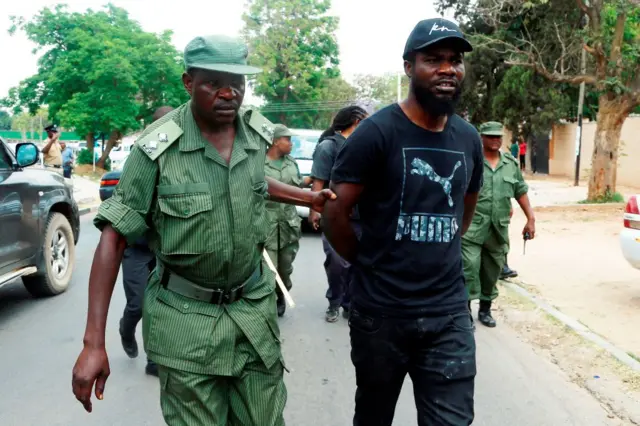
column 218, row 297
column 225, row 297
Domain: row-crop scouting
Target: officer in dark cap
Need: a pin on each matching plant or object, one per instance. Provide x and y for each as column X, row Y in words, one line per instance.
column 52, row 150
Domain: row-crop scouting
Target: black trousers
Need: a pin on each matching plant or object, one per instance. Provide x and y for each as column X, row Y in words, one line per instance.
column 438, row 353
column 137, row 264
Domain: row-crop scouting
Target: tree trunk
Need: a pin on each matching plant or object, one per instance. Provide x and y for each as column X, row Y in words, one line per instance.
column 283, row 115
column 90, row 138
column 606, row 145
column 113, row 138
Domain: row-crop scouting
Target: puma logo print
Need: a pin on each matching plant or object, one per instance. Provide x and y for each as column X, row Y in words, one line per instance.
column 424, row 169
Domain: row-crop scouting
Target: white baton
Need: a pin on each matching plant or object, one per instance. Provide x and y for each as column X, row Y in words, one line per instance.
column 285, row 293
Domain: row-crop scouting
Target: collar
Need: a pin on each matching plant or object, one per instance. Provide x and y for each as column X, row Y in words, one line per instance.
column 503, row 160
column 192, row 139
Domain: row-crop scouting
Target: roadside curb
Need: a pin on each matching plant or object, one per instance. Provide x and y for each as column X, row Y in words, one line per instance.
column 578, row 206
column 86, row 210
column 583, row 331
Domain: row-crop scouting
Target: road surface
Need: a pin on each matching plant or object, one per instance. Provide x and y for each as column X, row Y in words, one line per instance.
column 40, row 340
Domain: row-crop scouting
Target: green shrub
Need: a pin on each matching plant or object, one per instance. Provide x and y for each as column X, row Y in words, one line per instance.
column 609, row 197
column 84, row 157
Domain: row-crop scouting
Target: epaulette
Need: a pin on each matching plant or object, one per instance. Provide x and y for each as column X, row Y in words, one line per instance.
column 155, row 142
column 260, row 124
column 293, row 160
column 511, row 157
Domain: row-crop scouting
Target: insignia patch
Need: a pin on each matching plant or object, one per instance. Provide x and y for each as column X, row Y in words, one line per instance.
column 163, row 137
column 267, row 129
column 147, row 149
column 153, row 145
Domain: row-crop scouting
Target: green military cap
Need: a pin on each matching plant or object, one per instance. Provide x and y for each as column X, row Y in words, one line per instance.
column 218, row 53
column 491, row 128
column 281, row 131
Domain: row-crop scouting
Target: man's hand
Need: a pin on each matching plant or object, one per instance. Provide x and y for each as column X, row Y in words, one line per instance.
column 320, row 198
column 314, row 220
column 92, row 367
column 530, row 228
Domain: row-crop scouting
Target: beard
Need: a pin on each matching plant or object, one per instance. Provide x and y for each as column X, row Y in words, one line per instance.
column 433, row 104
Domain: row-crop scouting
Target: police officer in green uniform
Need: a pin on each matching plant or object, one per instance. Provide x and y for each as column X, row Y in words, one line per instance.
column 284, row 231
column 195, row 185
column 486, row 243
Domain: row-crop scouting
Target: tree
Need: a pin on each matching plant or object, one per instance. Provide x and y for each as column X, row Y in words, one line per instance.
column 294, row 42
column 100, row 73
column 33, row 123
column 548, row 36
column 381, row 90
column 5, row 120
column 528, row 104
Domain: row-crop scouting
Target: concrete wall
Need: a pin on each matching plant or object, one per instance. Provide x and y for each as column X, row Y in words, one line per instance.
column 562, row 151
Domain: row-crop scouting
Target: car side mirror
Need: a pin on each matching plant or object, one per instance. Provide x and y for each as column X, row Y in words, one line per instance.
column 26, row 154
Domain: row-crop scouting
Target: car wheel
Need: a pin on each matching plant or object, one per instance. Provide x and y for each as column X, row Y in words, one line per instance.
column 59, row 255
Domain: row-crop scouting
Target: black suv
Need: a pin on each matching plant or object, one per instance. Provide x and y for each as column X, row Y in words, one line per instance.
column 39, row 223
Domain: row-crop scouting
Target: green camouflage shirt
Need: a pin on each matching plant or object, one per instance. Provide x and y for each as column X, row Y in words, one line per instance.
column 494, row 203
column 205, row 220
column 282, row 217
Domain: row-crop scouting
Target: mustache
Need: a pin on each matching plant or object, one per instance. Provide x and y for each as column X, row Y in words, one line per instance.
column 452, row 81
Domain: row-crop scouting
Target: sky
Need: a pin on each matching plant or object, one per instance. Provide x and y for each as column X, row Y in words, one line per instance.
column 371, row 38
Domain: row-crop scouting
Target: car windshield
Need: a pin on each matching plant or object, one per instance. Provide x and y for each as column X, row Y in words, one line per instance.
column 303, row 146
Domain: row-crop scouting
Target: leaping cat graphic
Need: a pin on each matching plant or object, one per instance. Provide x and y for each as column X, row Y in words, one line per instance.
column 424, row 169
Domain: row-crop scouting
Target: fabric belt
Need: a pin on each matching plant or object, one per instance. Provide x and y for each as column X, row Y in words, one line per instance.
column 177, row 284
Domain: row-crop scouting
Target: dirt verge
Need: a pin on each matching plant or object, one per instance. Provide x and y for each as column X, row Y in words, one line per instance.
column 613, row 384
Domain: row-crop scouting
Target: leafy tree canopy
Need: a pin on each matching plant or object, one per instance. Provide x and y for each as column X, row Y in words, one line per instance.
column 549, row 38
column 99, row 72
column 294, row 42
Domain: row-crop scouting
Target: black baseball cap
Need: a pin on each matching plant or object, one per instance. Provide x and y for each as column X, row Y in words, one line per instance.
column 51, row 128
column 431, row 31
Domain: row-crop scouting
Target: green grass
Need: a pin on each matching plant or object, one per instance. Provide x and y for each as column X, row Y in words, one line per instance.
column 634, row 356
column 608, row 197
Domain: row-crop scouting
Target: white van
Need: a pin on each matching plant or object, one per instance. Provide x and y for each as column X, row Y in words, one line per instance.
column 304, row 143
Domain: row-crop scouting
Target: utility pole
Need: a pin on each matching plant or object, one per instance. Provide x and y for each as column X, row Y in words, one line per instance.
column 583, row 71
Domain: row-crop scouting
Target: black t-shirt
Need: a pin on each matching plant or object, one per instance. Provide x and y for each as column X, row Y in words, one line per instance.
column 324, row 157
column 409, row 260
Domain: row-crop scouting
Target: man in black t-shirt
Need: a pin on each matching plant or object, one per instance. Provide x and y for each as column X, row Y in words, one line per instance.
column 414, row 169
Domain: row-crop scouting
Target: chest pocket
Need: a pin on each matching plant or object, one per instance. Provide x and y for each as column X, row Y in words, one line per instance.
column 185, row 218
column 508, row 185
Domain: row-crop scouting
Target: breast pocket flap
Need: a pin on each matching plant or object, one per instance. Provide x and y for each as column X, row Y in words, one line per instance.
column 185, row 205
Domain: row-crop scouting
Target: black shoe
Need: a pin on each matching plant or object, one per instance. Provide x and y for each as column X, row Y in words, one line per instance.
column 507, row 273
column 332, row 314
column 484, row 314
column 282, row 307
column 345, row 313
column 128, row 339
column 151, row 369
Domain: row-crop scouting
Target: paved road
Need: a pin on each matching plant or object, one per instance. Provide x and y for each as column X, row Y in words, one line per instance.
column 40, row 340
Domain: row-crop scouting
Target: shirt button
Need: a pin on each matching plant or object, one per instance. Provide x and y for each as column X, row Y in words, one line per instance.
column 185, row 306
column 106, row 207
column 186, row 211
